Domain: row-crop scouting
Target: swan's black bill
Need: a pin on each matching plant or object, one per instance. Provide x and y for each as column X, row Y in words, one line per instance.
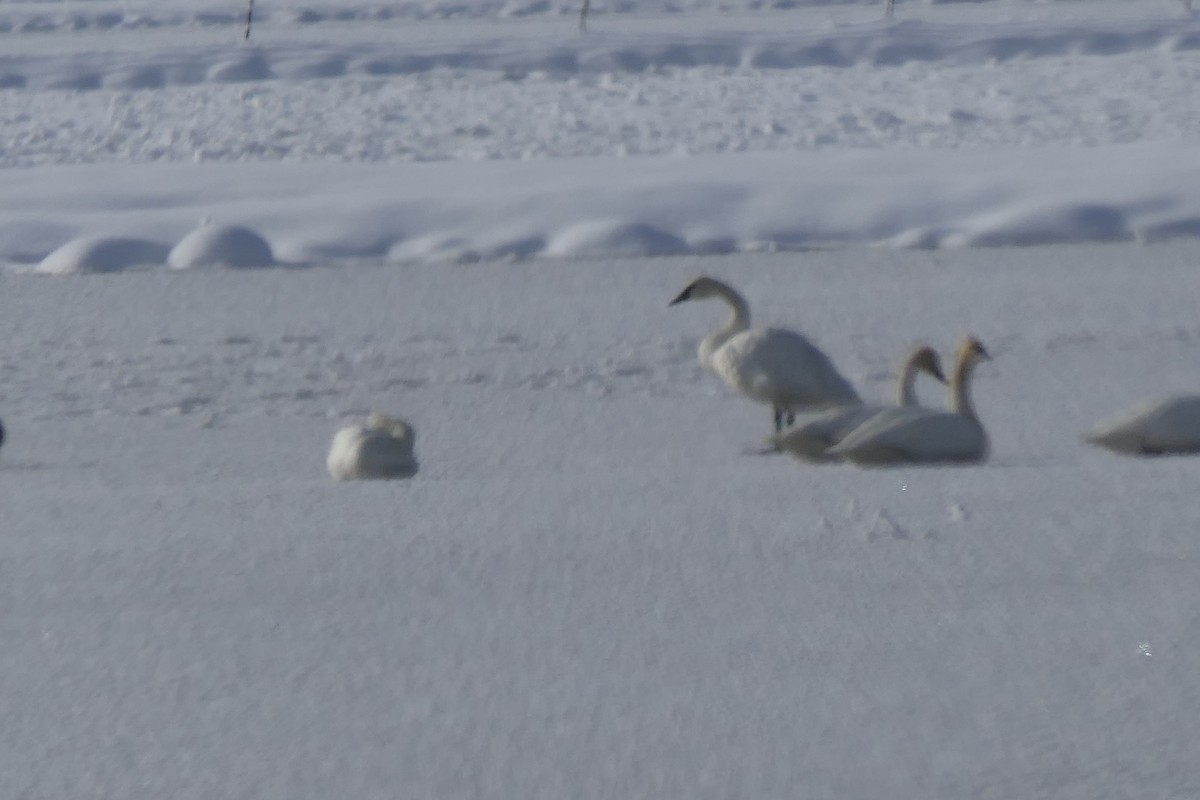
column 686, row 294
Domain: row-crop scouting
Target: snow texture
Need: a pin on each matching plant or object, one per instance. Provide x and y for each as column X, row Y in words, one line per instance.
column 470, row 132
column 594, row 586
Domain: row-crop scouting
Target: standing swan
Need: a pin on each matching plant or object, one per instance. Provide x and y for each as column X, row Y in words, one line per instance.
column 770, row 365
column 916, row 435
column 383, row 448
column 810, row 440
column 1152, row 428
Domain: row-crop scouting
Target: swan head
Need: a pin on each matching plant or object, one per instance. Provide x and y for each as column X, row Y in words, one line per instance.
column 701, row 288
column 972, row 351
column 926, row 360
column 392, row 426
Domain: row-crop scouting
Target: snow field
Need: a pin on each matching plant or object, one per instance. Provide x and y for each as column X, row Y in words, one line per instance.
column 592, row 588
column 589, row 587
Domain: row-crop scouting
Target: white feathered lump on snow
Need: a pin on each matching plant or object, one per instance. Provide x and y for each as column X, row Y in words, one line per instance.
column 380, row 449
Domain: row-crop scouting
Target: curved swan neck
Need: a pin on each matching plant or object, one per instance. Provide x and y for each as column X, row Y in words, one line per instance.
column 960, row 388
column 738, row 321
column 906, row 394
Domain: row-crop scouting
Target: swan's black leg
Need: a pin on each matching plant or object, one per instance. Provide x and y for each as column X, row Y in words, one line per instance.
column 791, row 417
column 778, row 419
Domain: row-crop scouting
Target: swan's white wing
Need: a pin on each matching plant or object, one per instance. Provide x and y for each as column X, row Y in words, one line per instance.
column 918, row 436
column 781, row 367
column 883, row 419
column 815, row 434
column 343, row 453
column 361, row 453
column 1171, row 425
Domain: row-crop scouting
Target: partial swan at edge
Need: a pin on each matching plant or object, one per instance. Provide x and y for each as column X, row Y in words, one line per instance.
column 775, row 366
column 382, row 448
column 1170, row 426
column 810, row 440
column 917, row 435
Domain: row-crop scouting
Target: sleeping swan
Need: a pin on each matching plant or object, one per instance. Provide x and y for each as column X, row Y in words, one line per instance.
column 1152, row 428
column 770, row 365
column 918, row 435
column 812, row 438
column 383, row 448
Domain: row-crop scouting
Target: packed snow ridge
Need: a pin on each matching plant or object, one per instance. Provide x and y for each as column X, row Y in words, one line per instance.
column 465, row 212
column 655, row 134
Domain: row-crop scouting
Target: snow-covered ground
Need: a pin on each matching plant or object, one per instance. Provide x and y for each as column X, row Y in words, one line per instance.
column 980, row 123
column 593, row 587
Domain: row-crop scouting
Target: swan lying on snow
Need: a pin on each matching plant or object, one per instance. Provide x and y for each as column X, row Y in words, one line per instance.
column 1152, row 428
column 918, row 435
column 383, row 448
column 811, row 439
column 770, row 365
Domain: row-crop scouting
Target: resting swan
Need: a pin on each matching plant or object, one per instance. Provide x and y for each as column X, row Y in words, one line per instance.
column 810, row 440
column 1152, row 428
column 383, row 448
column 917, row 435
column 770, row 365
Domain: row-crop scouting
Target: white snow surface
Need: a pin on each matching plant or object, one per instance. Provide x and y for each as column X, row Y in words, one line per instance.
column 596, row 586
column 383, row 131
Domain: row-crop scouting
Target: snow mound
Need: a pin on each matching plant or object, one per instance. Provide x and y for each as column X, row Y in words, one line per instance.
column 221, row 245
column 434, row 247
column 103, row 254
column 26, row 241
column 1070, row 224
column 251, row 67
column 615, row 239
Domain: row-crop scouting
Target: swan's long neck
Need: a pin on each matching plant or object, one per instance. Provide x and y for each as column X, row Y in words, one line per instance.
column 960, row 388
column 738, row 321
column 906, row 387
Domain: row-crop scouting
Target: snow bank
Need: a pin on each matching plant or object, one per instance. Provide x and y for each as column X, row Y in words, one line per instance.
column 315, row 213
column 102, row 255
column 479, row 138
column 221, row 246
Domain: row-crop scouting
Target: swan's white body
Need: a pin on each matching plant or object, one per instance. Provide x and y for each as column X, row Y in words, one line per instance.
column 774, row 366
column 1155, row 427
column 383, row 448
column 811, row 439
column 922, row 436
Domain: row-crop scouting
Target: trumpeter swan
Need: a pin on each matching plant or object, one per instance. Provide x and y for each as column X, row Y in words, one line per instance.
column 770, row 365
column 814, row 436
column 917, row 435
column 383, row 448
column 1152, row 428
